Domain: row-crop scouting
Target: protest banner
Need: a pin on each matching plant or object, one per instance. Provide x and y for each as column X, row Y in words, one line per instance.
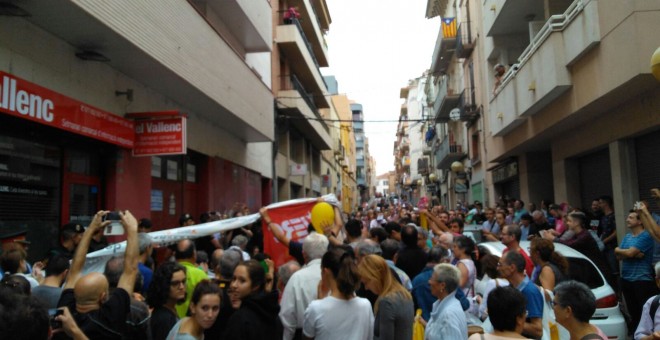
column 95, row 261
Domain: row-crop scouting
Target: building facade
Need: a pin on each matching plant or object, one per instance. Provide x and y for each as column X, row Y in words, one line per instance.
column 73, row 72
column 302, row 101
column 577, row 113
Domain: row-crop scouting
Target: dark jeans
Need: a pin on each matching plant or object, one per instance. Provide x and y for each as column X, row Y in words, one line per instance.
column 636, row 293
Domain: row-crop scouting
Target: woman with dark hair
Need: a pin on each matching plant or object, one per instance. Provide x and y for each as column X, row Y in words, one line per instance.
column 394, row 307
column 340, row 315
column 167, row 288
column 203, row 310
column 574, row 304
column 507, row 308
column 257, row 311
column 464, row 252
column 489, row 265
column 553, row 266
column 583, row 242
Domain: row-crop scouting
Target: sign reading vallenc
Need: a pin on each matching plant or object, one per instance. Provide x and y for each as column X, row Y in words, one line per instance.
column 26, row 100
column 160, row 136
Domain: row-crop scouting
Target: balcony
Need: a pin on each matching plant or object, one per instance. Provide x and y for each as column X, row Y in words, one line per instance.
column 359, row 143
column 542, row 73
column 445, row 101
column 313, row 27
column 359, row 162
column 405, row 161
column 464, row 41
column 294, row 101
column 404, row 109
column 448, row 153
column 436, row 8
column 511, row 17
column 423, row 166
column 467, row 105
column 159, row 48
column 428, row 148
column 293, row 44
column 248, row 21
column 442, row 54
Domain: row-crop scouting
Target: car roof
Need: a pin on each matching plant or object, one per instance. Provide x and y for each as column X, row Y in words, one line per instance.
column 497, row 248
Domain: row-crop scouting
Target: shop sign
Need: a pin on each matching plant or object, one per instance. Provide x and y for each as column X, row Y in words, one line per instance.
column 29, row 101
column 160, row 136
column 298, row 169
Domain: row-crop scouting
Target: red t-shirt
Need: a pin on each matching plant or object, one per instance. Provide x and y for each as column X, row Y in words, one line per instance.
column 529, row 267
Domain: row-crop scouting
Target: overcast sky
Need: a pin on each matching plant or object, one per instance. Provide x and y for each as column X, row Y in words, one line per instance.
column 375, row 47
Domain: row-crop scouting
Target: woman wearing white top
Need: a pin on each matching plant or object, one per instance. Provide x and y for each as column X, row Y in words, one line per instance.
column 464, row 252
column 341, row 315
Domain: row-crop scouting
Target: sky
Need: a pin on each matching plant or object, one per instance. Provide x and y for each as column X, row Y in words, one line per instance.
column 375, row 47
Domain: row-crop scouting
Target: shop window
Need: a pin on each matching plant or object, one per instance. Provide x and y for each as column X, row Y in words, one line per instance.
column 156, row 167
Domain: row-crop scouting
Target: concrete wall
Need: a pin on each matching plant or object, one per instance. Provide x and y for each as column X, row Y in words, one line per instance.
column 50, row 62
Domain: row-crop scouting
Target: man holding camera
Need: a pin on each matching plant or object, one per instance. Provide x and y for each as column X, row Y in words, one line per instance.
column 99, row 314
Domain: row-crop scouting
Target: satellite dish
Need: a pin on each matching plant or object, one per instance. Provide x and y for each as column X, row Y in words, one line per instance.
column 455, row 114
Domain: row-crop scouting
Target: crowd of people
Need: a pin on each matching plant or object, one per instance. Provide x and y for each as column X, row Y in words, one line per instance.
column 363, row 277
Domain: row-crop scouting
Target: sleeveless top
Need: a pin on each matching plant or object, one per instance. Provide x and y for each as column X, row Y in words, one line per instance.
column 559, row 276
column 472, row 275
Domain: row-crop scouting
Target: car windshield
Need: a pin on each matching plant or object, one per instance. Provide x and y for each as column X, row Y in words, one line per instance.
column 583, row 271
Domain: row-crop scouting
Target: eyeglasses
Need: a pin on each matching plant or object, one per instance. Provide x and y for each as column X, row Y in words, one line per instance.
column 178, row 283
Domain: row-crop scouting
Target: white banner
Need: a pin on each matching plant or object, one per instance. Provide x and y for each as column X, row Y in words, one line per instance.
column 95, row 261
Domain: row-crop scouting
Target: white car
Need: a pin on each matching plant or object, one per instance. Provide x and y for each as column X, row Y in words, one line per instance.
column 608, row 316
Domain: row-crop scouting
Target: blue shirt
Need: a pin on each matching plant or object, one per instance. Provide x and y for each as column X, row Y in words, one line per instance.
column 447, row 320
column 635, row 269
column 524, row 232
column 422, row 293
column 534, row 298
column 147, row 273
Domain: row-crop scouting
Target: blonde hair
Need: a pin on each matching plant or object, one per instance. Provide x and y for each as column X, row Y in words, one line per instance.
column 374, row 269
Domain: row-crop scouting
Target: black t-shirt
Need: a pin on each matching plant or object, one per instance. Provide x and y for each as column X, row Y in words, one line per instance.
column 107, row 322
column 411, row 261
column 162, row 321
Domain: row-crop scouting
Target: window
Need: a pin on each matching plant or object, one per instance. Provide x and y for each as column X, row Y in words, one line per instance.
column 585, row 272
column 474, row 148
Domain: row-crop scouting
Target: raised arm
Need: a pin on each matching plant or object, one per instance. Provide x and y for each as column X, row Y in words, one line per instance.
column 81, row 251
column 127, row 278
column 649, row 223
column 277, row 232
column 436, row 224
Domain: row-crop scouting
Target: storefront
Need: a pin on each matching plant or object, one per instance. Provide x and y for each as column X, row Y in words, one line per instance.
column 63, row 160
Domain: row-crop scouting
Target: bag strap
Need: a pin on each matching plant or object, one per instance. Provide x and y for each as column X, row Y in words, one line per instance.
column 654, row 306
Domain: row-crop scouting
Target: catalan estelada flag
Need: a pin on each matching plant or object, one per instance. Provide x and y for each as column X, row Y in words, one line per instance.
column 449, row 27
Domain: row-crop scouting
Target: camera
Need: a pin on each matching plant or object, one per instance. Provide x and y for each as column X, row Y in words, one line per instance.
column 115, row 227
column 52, row 314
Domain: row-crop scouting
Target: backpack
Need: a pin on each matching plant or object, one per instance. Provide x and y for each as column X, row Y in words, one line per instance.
column 654, row 306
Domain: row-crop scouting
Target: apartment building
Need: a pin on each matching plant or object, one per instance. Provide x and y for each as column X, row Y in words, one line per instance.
column 302, row 101
column 89, row 88
column 456, row 103
column 345, row 154
column 577, row 113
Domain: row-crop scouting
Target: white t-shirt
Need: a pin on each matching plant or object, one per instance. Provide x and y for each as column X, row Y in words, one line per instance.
column 332, row 318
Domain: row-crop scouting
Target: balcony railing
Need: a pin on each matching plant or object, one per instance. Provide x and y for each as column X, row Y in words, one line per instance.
column 448, row 153
column 423, row 166
column 467, row 106
column 555, row 23
column 296, row 22
column 464, row 42
column 297, row 85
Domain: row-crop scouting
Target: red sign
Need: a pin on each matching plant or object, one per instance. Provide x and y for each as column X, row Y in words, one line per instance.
column 293, row 220
column 160, row 136
column 26, row 100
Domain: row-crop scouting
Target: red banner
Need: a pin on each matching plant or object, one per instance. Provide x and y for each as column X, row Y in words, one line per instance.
column 29, row 101
column 160, row 136
column 293, row 220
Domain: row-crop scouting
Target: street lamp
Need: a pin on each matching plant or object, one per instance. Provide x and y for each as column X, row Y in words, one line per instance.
column 655, row 64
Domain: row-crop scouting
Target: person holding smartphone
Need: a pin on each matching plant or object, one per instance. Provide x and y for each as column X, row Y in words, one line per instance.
column 99, row 313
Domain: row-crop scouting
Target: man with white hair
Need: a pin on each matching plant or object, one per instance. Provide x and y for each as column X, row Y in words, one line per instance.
column 285, row 272
column 301, row 289
column 649, row 324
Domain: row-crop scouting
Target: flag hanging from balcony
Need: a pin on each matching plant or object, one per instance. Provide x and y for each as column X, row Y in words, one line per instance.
column 449, row 27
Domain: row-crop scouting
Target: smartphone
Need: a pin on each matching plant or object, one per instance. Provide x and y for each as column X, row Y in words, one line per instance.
column 115, row 227
column 52, row 313
column 638, row 205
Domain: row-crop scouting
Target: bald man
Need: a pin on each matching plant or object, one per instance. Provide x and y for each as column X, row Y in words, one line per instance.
column 98, row 313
